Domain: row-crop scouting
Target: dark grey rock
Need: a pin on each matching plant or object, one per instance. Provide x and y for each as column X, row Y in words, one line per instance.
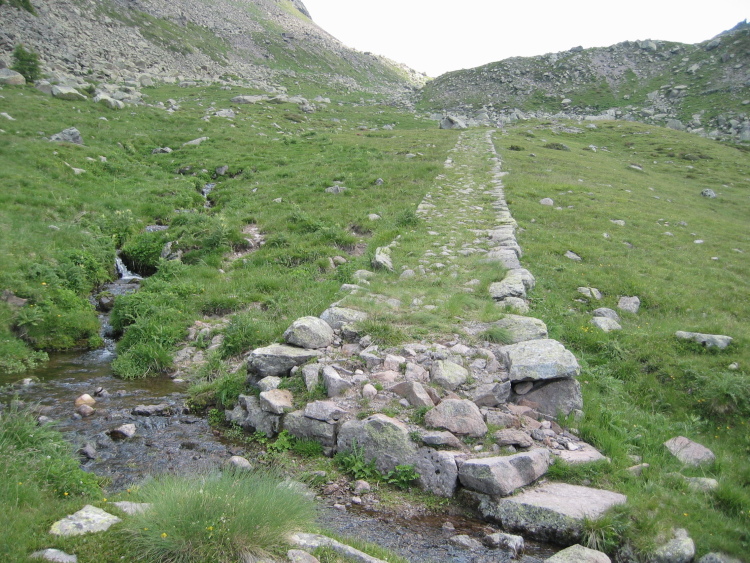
column 69, row 135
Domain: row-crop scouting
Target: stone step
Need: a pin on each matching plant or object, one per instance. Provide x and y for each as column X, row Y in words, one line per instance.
column 552, row 512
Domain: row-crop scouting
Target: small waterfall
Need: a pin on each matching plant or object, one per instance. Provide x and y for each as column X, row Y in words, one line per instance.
column 123, row 271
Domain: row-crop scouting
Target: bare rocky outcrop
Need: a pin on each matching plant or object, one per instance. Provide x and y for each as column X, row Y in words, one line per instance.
column 567, row 85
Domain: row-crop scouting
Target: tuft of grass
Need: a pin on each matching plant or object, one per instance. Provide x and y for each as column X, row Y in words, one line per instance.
column 497, row 334
column 218, row 517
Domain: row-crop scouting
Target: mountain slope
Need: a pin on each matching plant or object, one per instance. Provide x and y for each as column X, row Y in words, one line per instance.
column 703, row 86
column 265, row 42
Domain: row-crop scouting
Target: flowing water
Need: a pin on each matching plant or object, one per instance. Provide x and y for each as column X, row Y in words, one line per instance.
column 177, row 441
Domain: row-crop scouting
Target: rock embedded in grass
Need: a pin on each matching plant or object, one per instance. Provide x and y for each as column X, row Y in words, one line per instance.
column 87, row 520
column 69, row 135
column 689, row 452
column 629, row 304
column 680, row 549
column 708, row 340
column 605, row 324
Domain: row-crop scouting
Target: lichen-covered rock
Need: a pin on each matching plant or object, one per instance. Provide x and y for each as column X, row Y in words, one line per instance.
column 459, row 416
column 680, row 549
column 381, row 438
column 579, row 554
column 503, row 475
column 551, row 512
column 310, row 333
column 87, row 520
column 539, row 359
column 278, row 360
column 448, row 375
column 337, row 317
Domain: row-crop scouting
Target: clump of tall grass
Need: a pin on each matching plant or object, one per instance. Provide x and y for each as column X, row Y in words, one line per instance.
column 219, row 517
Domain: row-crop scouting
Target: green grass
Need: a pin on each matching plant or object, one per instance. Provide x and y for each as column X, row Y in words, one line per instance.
column 216, row 517
column 641, row 385
column 40, row 481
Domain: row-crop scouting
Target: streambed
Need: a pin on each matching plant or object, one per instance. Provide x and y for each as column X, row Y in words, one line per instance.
column 178, row 441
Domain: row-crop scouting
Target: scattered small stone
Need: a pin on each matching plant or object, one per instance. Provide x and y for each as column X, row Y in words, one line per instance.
column 681, row 549
column 88, row 519
column 123, row 432
column 54, row 555
column 547, row 201
column 629, row 304
column 708, row 193
column 240, row 462
column 85, row 399
column 573, row 256
column 466, row 542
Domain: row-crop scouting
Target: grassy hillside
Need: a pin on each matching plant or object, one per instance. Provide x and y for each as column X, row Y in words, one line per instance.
column 60, row 231
column 641, row 385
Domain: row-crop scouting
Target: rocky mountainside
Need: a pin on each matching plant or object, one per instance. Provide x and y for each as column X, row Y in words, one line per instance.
column 703, row 87
column 263, row 43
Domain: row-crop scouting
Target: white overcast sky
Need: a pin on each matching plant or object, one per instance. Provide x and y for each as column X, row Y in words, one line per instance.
column 437, row 36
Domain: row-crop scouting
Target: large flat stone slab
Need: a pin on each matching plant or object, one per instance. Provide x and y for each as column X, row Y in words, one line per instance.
column 551, row 512
column 87, row 520
column 536, row 360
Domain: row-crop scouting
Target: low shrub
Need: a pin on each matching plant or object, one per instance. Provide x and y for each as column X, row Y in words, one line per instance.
column 26, row 62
